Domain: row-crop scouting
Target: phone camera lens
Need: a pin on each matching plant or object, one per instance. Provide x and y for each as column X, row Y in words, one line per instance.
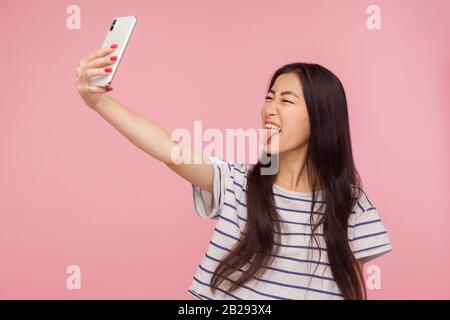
column 112, row 25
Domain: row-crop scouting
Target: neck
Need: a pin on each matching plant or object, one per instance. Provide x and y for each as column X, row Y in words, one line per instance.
column 293, row 170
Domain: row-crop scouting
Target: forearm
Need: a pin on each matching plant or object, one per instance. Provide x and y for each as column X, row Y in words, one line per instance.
column 143, row 133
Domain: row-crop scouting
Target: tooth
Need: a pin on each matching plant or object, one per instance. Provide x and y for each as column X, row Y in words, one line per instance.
column 272, row 126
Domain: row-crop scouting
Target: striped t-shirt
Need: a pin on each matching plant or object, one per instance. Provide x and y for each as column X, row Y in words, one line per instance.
column 296, row 272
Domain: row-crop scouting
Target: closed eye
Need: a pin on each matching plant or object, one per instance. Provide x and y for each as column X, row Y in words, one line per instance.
column 267, row 97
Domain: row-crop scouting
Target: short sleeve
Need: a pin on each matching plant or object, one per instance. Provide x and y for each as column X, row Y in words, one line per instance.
column 225, row 175
column 367, row 234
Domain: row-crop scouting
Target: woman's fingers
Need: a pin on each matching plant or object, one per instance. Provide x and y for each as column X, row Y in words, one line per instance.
column 89, row 73
column 94, row 89
column 94, row 64
column 101, row 62
column 97, row 54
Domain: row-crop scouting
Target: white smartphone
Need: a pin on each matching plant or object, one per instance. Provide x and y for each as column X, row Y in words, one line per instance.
column 119, row 33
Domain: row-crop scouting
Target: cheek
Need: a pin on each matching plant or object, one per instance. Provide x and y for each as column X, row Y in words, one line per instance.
column 298, row 130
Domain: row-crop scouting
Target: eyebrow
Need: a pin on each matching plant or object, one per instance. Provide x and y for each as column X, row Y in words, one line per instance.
column 282, row 93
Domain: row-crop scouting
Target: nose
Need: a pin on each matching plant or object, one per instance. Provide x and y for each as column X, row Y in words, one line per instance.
column 270, row 110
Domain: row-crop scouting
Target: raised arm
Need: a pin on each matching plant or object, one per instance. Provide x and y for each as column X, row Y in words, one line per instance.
column 142, row 132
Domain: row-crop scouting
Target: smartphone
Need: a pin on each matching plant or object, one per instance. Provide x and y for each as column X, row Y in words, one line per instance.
column 119, row 33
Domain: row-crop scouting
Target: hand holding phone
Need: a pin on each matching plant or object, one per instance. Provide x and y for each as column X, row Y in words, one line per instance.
column 94, row 64
column 119, row 34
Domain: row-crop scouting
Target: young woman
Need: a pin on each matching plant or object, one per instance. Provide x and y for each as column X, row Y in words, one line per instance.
column 303, row 232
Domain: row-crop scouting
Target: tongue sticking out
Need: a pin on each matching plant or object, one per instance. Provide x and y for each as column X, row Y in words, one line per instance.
column 265, row 134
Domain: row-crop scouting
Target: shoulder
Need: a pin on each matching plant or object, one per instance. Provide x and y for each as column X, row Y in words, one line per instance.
column 364, row 209
column 231, row 167
column 363, row 202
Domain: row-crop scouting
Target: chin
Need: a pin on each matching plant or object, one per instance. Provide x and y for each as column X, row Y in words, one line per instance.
column 276, row 148
column 272, row 148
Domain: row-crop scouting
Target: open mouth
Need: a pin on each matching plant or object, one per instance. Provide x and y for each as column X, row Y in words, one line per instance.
column 271, row 130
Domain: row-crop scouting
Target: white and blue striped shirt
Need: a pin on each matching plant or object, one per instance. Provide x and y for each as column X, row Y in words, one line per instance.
column 293, row 273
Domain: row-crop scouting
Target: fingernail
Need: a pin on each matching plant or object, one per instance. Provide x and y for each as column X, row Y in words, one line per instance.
column 108, row 69
column 114, row 46
column 108, row 89
column 113, row 58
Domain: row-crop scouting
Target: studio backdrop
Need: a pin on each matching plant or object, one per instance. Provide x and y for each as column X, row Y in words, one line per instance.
column 85, row 214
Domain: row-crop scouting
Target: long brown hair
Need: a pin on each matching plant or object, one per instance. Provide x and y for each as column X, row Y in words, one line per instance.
column 330, row 166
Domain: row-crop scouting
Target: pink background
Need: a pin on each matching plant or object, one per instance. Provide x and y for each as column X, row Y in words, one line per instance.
column 74, row 191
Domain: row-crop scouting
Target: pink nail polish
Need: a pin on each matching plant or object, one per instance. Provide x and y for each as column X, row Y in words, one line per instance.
column 108, row 89
column 108, row 69
column 113, row 58
column 114, row 46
